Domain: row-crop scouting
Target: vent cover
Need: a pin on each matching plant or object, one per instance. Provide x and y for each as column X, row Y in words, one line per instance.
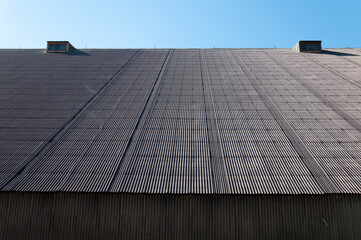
column 59, row 47
column 308, row 46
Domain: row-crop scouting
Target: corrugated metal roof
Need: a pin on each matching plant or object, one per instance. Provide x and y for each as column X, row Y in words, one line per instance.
column 238, row 121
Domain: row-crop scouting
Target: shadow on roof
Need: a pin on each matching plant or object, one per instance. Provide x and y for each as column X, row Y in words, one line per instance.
column 336, row 53
column 77, row 52
column 74, row 52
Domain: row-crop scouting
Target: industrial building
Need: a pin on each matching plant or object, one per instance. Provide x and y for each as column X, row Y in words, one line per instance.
column 180, row 143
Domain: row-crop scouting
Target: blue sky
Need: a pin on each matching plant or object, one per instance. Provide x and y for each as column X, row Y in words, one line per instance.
column 180, row 24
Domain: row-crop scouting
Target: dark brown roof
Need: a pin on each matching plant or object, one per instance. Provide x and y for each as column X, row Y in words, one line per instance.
column 239, row 121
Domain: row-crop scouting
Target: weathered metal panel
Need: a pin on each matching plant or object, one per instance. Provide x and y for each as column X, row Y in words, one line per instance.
column 26, row 215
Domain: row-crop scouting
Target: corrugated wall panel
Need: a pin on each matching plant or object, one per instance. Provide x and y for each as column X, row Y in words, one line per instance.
column 26, row 215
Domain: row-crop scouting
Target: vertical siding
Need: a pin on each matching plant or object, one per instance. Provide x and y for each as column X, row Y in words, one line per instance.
column 147, row 216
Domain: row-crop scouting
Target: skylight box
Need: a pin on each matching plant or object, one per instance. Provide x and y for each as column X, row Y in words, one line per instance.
column 308, row 46
column 59, row 47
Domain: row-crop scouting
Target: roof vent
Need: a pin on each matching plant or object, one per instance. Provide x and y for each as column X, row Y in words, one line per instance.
column 59, row 47
column 308, row 46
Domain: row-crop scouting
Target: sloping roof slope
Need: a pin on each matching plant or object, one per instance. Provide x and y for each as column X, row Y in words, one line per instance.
column 239, row 121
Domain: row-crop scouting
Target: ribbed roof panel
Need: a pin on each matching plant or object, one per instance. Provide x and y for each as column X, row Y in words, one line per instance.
column 238, row 121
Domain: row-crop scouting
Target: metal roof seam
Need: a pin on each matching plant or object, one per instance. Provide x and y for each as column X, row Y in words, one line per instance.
column 358, row 84
column 141, row 120
column 213, row 132
column 307, row 157
column 323, row 98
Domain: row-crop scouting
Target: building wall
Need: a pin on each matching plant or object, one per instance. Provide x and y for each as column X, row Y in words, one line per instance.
column 59, row 215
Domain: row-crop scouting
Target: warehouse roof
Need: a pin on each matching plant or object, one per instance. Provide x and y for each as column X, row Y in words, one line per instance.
column 242, row 121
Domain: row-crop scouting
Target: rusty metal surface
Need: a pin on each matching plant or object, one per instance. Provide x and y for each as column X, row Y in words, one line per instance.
column 238, row 121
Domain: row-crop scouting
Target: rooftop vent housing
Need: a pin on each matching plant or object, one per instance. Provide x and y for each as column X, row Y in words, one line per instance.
column 308, row 46
column 59, row 47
